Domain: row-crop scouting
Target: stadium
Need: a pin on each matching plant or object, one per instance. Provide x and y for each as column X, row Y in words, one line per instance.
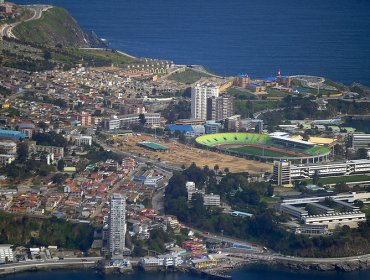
column 264, row 147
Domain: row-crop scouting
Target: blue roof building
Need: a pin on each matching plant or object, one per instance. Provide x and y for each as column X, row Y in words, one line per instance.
column 12, row 135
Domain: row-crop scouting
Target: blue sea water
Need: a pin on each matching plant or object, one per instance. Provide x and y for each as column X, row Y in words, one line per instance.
column 320, row 37
column 256, row 273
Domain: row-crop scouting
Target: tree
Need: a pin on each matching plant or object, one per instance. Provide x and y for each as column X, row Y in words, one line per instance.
column 60, row 165
column 22, row 152
column 216, row 167
column 361, row 153
column 47, row 55
column 142, row 119
column 316, row 177
column 43, row 125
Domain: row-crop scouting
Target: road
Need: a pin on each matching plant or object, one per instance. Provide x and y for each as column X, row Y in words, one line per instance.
column 159, row 165
column 6, row 29
column 40, row 264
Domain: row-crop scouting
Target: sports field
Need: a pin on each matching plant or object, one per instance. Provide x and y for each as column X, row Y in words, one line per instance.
column 261, row 145
column 260, row 151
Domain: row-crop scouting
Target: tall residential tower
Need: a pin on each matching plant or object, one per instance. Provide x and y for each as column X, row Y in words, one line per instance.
column 117, row 224
column 199, row 95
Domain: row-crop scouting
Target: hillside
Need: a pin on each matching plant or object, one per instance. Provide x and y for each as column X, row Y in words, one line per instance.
column 56, row 27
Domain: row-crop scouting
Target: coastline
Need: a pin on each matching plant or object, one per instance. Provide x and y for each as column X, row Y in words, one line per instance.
column 359, row 263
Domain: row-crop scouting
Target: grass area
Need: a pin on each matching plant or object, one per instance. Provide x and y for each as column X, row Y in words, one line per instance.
column 275, row 93
column 187, row 77
column 239, row 94
column 342, row 179
column 270, row 200
column 245, row 108
column 259, row 151
column 366, row 209
column 55, row 26
column 314, row 91
column 111, row 56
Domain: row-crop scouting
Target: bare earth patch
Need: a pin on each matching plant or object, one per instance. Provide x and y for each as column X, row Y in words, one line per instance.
column 180, row 154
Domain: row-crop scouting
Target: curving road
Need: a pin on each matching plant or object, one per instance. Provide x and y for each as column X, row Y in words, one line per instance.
column 6, row 29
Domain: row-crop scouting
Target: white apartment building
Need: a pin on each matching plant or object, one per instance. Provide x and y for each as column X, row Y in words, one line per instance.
column 117, row 224
column 199, row 95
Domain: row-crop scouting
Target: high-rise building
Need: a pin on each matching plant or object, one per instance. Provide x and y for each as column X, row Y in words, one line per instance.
column 220, row 108
column 199, row 95
column 281, row 174
column 117, row 224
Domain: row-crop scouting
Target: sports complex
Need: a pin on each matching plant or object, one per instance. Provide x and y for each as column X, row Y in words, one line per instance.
column 264, row 147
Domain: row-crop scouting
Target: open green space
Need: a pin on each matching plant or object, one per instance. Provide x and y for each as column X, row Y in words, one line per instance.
column 187, row 77
column 240, row 94
column 342, row 179
column 107, row 55
column 249, row 150
column 275, row 93
column 56, row 26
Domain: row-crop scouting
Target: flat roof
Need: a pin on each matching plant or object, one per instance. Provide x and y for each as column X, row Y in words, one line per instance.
column 154, row 146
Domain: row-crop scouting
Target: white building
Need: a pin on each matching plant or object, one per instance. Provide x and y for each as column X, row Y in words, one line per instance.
column 6, row 253
column 82, row 140
column 358, row 140
column 211, row 200
column 8, row 147
column 117, row 224
column 125, row 121
column 284, row 172
column 199, row 95
column 6, row 159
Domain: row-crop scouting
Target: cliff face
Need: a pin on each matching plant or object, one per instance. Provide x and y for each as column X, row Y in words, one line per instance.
column 56, row 27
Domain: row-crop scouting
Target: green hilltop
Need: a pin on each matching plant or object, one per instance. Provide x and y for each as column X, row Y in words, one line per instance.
column 55, row 27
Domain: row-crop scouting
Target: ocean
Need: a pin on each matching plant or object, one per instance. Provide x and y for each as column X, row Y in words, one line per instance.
column 254, row 273
column 328, row 38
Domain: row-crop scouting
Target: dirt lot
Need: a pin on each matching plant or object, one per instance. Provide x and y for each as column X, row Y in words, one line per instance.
column 182, row 155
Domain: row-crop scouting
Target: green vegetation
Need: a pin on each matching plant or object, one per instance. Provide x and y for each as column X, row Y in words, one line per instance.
column 187, row 77
column 29, row 231
column 249, row 107
column 265, row 226
column 55, row 27
column 240, row 95
column 342, row 179
column 175, row 111
column 259, row 151
column 275, row 93
column 108, row 56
